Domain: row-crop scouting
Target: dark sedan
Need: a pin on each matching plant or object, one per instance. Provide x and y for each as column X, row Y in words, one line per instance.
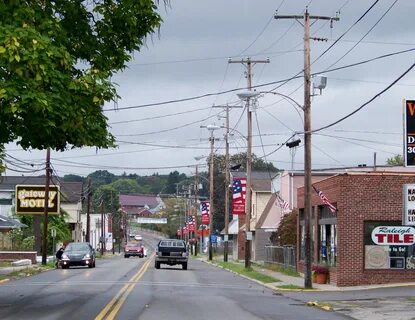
column 78, row 254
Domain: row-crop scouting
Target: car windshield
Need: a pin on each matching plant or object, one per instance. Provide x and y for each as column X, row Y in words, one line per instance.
column 172, row 243
column 133, row 244
column 77, row 247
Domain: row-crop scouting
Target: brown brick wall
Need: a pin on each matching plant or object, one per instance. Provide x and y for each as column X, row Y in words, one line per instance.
column 241, row 237
column 17, row 255
column 360, row 198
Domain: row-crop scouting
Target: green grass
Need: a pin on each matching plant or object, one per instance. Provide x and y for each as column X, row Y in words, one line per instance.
column 287, row 271
column 5, row 264
column 248, row 272
column 27, row 272
column 289, row 286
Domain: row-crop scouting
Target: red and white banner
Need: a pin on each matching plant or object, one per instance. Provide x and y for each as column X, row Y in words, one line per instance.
column 238, row 196
column 205, row 209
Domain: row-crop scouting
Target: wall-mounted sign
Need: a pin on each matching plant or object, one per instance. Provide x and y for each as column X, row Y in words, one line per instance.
column 393, row 236
column 408, row 205
column 30, row 199
column 409, row 128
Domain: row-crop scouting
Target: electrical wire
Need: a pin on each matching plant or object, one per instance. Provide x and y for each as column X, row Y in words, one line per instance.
column 367, row 102
column 263, row 84
column 364, row 36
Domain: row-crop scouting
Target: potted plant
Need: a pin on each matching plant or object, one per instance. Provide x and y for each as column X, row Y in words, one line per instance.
column 320, row 273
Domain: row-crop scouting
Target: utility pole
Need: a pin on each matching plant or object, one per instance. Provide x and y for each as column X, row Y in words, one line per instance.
column 211, row 211
column 196, row 195
column 227, row 180
column 88, row 209
column 248, row 63
column 46, row 209
column 307, row 136
column 102, row 228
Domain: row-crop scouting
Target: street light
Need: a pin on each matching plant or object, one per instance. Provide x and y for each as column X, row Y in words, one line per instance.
column 247, row 96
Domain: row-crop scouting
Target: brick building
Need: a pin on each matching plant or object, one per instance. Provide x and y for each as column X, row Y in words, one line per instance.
column 364, row 201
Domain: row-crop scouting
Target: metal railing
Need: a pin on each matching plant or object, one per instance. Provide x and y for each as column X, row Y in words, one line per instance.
column 283, row 256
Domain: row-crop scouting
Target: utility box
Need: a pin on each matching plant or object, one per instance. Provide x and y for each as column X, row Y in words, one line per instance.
column 319, row 82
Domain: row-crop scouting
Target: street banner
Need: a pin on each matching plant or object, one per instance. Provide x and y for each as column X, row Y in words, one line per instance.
column 409, row 136
column 238, row 196
column 205, row 219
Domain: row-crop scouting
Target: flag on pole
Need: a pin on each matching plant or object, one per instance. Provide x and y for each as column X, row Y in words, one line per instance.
column 238, row 196
column 284, row 205
column 325, row 200
column 205, row 209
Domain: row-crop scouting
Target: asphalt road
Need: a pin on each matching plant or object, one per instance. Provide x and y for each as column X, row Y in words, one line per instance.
column 132, row 288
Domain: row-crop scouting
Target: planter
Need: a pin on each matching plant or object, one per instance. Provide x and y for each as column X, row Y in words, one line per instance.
column 321, row 278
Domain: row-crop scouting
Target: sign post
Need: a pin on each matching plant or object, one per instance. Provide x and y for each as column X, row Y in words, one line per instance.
column 53, row 234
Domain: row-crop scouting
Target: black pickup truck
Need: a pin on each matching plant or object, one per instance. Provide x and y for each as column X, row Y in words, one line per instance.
column 171, row 252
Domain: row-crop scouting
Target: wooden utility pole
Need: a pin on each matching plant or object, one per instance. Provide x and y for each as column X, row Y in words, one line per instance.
column 227, row 180
column 307, row 137
column 248, row 63
column 196, row 195
column 88, row 211
column 46, row 210
column 211, row 210
column 102, row 228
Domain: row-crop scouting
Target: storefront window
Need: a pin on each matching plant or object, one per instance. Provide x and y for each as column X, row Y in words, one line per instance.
column 327, row 236
column 386, row 256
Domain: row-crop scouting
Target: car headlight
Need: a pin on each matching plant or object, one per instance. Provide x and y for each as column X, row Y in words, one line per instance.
column 65, row 257
column 126, row 250
column 87, row 256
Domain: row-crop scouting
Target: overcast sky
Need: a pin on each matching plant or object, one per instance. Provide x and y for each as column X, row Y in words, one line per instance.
column 189, row 58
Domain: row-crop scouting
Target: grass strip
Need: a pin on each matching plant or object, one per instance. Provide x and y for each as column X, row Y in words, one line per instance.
column 287, row 271
column 248, row 272
column 290, row 286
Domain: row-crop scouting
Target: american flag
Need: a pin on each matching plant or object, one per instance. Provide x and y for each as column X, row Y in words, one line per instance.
column 191, row 220
column 239, row 189
column 325, row 200
column 205, row 207
column 282, row 203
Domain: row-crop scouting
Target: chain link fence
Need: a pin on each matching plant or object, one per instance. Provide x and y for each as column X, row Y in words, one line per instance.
column 283, row 256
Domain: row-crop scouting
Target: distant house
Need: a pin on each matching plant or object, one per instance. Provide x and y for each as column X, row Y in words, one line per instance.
column 140, row 205
column 260, row 194
column 71, row 198
column 7, row 224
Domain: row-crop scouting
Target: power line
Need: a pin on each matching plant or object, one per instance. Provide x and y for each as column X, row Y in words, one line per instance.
column 364, row 36
column 263, row 84
column 366, row 103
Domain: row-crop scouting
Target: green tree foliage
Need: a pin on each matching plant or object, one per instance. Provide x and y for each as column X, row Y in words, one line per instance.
column 56, row 63
column 287, row 230
column 73, row 178
column 108, row 196
column 172, row 180
column 396, row 160
column 101, row 177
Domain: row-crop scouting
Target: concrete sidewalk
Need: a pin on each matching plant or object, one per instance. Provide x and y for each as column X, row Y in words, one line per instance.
column 286, row 280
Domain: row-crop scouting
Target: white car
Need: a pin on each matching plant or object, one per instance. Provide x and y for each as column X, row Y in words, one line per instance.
column 138, row 237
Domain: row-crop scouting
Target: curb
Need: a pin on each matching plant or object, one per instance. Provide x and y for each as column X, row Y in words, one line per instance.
column 4, row 281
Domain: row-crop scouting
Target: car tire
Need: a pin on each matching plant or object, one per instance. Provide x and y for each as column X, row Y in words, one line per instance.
column 184, row 266
column 157, row 265
column 126, row 256
column 93, row 264
column 90, row 265
column 65, row 267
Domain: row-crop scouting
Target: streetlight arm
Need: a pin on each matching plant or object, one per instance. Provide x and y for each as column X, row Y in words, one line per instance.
column 285, row 97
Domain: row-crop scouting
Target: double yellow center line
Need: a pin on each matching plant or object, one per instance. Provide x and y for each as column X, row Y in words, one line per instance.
column 112, row 308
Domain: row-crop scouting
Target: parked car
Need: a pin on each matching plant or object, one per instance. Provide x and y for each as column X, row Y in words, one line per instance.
column 134, row 249
column 78, row 254
column 171, row 252
column 138, row 237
